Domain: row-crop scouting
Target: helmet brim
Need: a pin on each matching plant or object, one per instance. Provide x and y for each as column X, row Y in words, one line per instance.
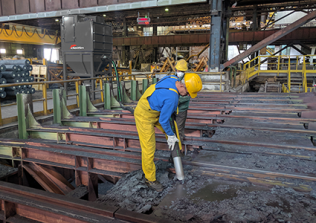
column 183, row 70
column 193, row 95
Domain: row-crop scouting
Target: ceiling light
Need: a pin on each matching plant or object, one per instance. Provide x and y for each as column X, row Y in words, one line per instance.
column 57, row 20
column 166, row 9
column 104, row 15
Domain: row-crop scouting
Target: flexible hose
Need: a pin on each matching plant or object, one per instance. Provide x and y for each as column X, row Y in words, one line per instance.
column 119, row 95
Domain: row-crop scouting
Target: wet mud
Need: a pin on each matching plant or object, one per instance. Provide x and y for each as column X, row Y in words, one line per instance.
column 202, row 198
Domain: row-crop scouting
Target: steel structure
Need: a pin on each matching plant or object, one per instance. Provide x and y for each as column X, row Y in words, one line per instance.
column 87, row 149
column 302, row 35
column 35, row 9
column 272, row 38
column 23, row 204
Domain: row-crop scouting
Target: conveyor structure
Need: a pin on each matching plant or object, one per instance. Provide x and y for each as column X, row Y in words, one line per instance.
column 103, row 144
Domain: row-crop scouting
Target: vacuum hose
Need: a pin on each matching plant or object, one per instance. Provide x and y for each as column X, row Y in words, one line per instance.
column 176, row 155
column 119, row 93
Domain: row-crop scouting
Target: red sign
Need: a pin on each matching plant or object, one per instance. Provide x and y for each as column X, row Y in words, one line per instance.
column 143, row 21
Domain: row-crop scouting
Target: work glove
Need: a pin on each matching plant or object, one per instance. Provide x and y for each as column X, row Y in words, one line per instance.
column 172, row 141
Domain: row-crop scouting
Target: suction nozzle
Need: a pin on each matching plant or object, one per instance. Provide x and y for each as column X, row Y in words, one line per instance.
column 178, row 167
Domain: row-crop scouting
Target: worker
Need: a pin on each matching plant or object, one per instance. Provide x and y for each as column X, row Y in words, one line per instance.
column 154, row 109
column 181, row 67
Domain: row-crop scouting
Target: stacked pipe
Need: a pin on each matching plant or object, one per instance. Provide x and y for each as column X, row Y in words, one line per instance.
column 15, row 71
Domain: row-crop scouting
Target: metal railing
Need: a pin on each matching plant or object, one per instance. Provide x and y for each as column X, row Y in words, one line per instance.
column 78, row 82
column 283, row 64
column 45, row 98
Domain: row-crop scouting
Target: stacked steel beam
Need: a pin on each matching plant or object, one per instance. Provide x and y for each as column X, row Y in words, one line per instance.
column 16, row 71
column 241, row 137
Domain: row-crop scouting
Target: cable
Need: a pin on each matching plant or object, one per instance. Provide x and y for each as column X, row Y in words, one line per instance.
column 15, row 31
column 119, row 93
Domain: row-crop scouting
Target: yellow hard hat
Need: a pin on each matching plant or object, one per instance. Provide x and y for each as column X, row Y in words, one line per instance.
column 181, row 65
column 193, row 83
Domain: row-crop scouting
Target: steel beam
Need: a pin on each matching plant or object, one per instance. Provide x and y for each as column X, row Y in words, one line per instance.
column 272, row 38
column 304, row 34
column 69, row 156
column 23, row 204
column 107, row 137
column 215, row 54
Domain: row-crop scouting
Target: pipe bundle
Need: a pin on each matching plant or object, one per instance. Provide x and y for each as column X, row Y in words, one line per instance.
column 15, row 71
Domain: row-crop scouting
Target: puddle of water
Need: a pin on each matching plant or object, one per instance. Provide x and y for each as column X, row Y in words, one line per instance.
column 211, row 193
column 208, row 193
column 178, row 193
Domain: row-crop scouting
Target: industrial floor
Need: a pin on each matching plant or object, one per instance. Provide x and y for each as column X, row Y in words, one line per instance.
column 249, row 158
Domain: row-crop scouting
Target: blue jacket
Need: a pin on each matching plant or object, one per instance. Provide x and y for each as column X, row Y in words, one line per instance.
column 165, row 101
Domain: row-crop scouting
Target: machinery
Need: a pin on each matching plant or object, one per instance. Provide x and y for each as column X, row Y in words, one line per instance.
column 86, row 44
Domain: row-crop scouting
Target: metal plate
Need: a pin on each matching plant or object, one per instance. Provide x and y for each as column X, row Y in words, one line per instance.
column 88, row 3
column 8, row 8
column 70, row 4
column 22, row 6
column 37, row 5
column 52, row 5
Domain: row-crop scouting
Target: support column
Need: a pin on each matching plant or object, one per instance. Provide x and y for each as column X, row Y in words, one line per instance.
column 125, row 49
column 155, row 52
column 226, row 16
column 155, row 30
column 255, row 19
column 125, row 28
column 254, row 27
column 125, row 55
column 216, row 36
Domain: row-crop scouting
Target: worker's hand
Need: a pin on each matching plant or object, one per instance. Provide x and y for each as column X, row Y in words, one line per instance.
column 172, row 141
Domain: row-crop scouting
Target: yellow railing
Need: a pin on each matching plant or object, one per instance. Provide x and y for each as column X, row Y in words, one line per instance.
column 280, row 65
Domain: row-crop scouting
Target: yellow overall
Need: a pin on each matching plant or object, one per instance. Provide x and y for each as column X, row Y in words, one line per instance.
column 146, row 120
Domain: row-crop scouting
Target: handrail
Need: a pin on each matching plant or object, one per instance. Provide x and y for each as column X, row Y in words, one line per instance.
column 45, row 99
column 77, row 82
column 260, row 65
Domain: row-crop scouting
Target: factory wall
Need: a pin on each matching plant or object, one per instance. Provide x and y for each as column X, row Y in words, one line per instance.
column 28, row 51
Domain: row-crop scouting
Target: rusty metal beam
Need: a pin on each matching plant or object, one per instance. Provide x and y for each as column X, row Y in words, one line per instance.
column 23, row 204
column 304, row 34
column 272, row 38
column 51, row 153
